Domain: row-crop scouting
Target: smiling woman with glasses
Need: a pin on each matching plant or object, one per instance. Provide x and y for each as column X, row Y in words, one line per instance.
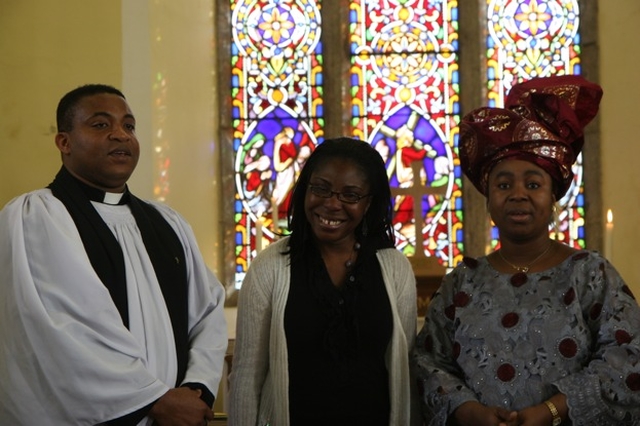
column 327, row 315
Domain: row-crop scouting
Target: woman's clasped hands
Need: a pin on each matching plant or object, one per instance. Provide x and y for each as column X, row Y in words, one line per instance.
column 477, row 414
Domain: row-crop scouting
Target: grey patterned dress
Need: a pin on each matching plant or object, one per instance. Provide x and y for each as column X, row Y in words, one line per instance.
column 515, row 340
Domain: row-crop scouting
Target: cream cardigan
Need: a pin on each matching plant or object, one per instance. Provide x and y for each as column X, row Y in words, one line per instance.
column 259, row 393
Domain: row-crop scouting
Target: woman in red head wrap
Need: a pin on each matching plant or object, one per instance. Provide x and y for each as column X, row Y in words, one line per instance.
column 537, row 332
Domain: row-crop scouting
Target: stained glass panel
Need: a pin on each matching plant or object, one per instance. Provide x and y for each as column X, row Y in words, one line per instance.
column 405, row 102
column 529, row 38
column 277, row 114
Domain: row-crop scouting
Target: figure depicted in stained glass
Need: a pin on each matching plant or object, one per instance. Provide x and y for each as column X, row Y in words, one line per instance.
column 285, row 153
column 256, row 166
column 408, row 150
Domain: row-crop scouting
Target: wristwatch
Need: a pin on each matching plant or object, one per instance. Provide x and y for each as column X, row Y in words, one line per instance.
column 557, row 420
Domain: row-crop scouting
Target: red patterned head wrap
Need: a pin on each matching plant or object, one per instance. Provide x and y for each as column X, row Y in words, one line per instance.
column 542, row 122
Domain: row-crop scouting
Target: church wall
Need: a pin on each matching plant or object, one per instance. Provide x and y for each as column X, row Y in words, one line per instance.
column 168, row 77
column 619, row 43
column 47, row 47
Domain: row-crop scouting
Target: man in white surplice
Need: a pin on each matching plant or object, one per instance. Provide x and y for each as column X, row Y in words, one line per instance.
column 108, row 313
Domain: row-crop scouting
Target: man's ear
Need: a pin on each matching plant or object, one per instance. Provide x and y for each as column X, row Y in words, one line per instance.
column 62, row 142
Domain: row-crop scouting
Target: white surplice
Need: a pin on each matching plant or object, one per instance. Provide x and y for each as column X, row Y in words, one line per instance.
column 65, row 355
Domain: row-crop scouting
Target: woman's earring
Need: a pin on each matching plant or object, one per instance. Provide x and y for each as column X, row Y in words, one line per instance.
column 365, row 228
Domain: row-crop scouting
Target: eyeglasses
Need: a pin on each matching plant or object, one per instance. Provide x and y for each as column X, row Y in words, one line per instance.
column 345, row 197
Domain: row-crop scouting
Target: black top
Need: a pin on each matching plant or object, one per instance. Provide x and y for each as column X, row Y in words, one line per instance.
column 336, row 340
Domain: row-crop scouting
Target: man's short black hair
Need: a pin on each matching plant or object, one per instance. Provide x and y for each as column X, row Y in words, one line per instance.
column 68, row 103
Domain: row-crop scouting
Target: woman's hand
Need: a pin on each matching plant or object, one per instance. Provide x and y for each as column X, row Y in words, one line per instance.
column 540, row 415
column 474, row 413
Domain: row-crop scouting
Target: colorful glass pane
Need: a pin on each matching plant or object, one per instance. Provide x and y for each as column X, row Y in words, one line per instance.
column 405, row 102
column 530, row 38
column 277, row 113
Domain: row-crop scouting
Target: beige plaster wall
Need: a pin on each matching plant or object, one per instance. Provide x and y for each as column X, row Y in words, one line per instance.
column 619, row 43
column 168, row 77
column 48, row 47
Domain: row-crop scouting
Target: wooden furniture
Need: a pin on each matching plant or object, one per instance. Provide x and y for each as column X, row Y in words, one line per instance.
column 429, row 275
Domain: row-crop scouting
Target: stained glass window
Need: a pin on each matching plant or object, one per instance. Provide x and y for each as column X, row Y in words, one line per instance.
column 405, row 102
column 277, row 113
column 530, row 38
column 403, row 95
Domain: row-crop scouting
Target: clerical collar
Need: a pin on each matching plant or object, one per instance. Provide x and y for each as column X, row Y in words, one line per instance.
column 112, row 198
column 100, row 196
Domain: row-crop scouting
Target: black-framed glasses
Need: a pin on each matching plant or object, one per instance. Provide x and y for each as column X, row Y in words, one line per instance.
column 345, row 197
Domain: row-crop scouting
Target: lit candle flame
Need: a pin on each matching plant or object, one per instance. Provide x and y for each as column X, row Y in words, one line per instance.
column 608, row 236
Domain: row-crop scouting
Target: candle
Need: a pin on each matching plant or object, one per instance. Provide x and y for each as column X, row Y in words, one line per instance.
column 608, row 237
column 258, row 236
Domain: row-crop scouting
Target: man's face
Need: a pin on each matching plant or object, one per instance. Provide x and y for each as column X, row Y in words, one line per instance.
column 101, row 149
